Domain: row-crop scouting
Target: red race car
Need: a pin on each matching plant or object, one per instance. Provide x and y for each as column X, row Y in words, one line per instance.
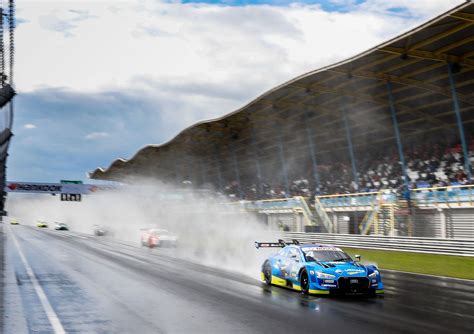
column 158, row 238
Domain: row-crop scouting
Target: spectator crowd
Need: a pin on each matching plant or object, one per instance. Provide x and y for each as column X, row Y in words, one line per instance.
column 428, row 165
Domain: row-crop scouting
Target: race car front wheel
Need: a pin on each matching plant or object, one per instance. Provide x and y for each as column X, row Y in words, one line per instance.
column 304, row 281
column 267, row 272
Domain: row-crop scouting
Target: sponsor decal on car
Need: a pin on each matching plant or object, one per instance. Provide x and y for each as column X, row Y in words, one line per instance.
column 308, row 249
column 354, row 271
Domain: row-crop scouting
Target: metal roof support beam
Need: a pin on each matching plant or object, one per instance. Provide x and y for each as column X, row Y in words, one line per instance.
column 452, row 83
column 393, row 112
column 463, row 16
column 312, row 151
column 405, row 81
column 236, row 170
column 442, row 57
column 257, row 161
column 281, row 152
column 349, row 145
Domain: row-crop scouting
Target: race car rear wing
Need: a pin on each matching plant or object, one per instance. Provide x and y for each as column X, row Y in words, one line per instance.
column 281, row 243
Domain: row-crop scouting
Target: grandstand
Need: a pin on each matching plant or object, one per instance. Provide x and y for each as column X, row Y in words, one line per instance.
column 380, row 143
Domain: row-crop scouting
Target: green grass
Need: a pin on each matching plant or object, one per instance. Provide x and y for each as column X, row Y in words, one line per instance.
column 442, row 265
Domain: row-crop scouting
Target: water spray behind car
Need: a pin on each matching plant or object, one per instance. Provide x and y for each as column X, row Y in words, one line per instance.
column 209, row 229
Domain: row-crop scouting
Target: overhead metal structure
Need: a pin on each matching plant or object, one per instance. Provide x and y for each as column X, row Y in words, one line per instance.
column 427, row 70
column 6, row 91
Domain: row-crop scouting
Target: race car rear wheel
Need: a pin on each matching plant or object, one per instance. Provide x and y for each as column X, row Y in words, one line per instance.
column 267, row 272
column 304, row 281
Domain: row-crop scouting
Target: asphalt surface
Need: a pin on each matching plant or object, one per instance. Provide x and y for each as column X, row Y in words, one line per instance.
column 95, row 285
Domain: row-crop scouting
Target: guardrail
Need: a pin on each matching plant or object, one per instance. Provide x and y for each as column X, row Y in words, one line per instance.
column 462, row 247
column 452, row 195
column 369, row 219
column 292, row 204
column 356, row 199
column 323, row 216
column 282, row 205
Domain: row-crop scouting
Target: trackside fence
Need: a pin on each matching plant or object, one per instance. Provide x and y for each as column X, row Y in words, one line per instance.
column 462, row 247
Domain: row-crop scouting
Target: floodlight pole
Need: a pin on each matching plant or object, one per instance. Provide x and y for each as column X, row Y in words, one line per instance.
column 282, row 159
column 236, row 170
column 467, row 163
column 219, row 173
column 349, row 144
column 312, row 150
column 257, row 161
column 393, row 112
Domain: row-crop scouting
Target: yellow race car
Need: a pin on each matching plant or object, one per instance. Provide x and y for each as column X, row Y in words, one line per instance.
column 14, row 222
column 42, row 224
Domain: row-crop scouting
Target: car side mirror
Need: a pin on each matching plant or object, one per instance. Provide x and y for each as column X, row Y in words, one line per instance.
column 357, row 258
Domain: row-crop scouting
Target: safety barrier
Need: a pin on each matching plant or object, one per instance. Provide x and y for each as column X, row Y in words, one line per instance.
column 273, row 205
column 452, row 195
column 462, row 247
column 282, row 205
column 323, row 216
column 356, row 199
column 370, row 219
column 461, row 195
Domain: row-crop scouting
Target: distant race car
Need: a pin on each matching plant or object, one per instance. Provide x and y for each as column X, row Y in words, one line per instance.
column 14, row 222
column 319, row 269
column 41, row 224
column 99, row 230
column 61, row 227
column 158, row 238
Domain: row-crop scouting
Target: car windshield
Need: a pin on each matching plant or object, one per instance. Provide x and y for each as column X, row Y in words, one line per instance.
column 326, row 255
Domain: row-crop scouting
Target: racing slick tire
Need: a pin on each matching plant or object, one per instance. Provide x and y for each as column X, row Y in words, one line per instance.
column 267, row 272
column 304, row 282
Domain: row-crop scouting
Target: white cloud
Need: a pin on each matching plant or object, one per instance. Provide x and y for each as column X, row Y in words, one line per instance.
column 167, row 40
column 188, row 62
column 29, row 126
column 96, row 135
column 63, row 21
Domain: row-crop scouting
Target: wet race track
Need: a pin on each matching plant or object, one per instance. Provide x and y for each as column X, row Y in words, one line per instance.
column 58, row 281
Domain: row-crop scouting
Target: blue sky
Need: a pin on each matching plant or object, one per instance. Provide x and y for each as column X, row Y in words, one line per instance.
column 99, row 80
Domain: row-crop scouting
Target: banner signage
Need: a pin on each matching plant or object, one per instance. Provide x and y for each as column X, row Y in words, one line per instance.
column 46, row 188
column 57, row 188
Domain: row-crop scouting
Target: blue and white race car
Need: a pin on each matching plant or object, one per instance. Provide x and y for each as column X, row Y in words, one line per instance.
column 319, row 269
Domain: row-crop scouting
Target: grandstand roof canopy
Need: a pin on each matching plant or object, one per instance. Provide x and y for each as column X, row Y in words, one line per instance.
column 415, row 64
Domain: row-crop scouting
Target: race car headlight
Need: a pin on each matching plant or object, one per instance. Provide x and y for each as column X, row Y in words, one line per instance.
column 374, row 274
column 324, row 275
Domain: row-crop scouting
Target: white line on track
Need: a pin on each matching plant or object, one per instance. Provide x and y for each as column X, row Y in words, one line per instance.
column 48, row 309
column 434, row 276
